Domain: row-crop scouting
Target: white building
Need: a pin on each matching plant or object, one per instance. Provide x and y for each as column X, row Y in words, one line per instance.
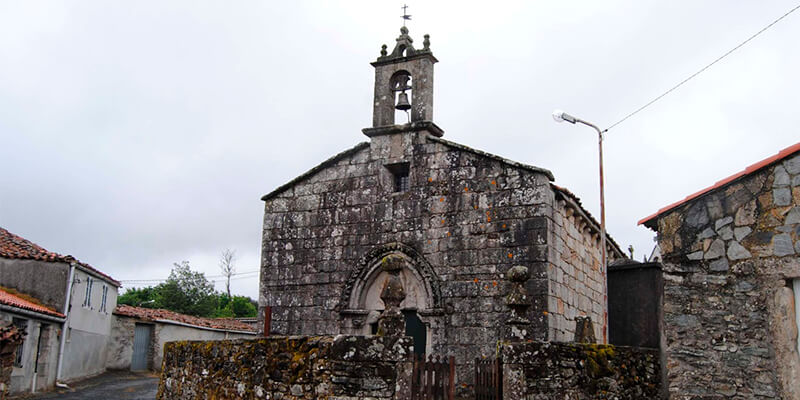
column 72, row 325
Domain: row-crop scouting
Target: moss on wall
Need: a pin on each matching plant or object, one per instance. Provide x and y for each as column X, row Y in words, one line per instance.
column 579, row 371
column 287, row 367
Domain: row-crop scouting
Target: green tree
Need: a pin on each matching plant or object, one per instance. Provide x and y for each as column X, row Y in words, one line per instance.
column 236, row 307
column 243, row 306
column 189, row 292
column 144, row 297
column 224, row 307
column 186, row 292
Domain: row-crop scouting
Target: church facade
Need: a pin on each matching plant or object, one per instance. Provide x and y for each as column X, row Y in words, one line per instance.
column 459, row 218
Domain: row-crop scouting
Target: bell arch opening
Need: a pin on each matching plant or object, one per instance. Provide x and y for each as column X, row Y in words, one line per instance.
column 402, row 93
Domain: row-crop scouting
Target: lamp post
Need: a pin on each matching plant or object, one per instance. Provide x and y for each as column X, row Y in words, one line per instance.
column 561, row 116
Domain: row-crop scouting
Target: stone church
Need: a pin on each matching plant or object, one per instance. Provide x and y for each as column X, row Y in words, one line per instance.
column 457, row 217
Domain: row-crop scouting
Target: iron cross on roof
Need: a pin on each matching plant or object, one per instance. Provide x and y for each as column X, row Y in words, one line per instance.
column 406, row 17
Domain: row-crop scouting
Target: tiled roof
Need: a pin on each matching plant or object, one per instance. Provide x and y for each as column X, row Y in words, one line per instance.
column 149, row 314
column 14, row 300
column 747, row 171
column 16, row 247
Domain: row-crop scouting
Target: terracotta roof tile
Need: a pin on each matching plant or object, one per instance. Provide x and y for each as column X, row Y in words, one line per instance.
column 16, row 247
column 13, row 300
column 149, row 314
column 747, row 171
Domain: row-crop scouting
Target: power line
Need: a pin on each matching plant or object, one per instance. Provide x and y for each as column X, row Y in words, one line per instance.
column 142, row 280
column 207, row 277
column 234, row 274
column 704, row 68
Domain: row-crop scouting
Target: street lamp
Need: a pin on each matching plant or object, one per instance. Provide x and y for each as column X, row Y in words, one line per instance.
column 561, row 116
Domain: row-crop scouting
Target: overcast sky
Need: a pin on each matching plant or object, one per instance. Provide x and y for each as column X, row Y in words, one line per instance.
column 141, row 133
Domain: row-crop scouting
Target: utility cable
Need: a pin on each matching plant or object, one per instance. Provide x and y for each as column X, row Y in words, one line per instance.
column 704, row 68
column 207, row 277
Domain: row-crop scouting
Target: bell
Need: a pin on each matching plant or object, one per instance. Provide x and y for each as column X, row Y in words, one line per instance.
column 402, row 102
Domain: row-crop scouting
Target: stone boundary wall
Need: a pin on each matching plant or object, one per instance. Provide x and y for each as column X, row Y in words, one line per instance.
column 553, row 371
column 288, row 367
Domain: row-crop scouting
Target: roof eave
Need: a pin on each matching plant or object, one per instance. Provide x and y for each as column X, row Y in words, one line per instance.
column 651, row 221
column 312, row 171
column 98, row 274
column 495, row 157
column 567, row 195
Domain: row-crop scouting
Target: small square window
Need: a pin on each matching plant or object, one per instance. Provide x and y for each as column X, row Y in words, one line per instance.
column 400, row 176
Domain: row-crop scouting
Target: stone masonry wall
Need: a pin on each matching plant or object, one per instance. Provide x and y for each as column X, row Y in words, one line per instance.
column 576, row 276
column 470, row 216
column 120, row 343
column 729, row 258
column 555, row 371
column 289, row 368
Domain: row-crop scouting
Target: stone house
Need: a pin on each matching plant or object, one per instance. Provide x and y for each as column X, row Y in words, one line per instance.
column 81, row 297
column 138, row 335
column 731, row 270
column 460, row 218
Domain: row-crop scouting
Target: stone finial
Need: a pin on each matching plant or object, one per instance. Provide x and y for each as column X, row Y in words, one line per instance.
column 426, row 44
column 383, row 51
column 391, row 321
column 584, row 330
column 518, row 302
column 403, row 48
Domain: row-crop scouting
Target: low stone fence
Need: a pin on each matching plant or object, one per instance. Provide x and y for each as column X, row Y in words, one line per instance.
column 288, row 367
column 376, row 368
column 576, row 371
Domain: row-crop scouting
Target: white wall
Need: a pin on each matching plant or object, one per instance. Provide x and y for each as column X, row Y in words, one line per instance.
column 89, row 329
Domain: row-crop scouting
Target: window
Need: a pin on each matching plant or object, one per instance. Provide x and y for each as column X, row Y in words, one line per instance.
column 400, row 176
column 22, row 325
column 87, row 296
column 105, row 298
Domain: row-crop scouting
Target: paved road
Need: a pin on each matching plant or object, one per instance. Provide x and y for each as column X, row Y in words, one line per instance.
column 112, row 385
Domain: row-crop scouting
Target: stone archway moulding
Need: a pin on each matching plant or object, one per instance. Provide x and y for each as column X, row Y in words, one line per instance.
column 368, row 264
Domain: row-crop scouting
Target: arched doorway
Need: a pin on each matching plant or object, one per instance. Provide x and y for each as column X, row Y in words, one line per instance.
column 361, row 304
column 368, row 299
